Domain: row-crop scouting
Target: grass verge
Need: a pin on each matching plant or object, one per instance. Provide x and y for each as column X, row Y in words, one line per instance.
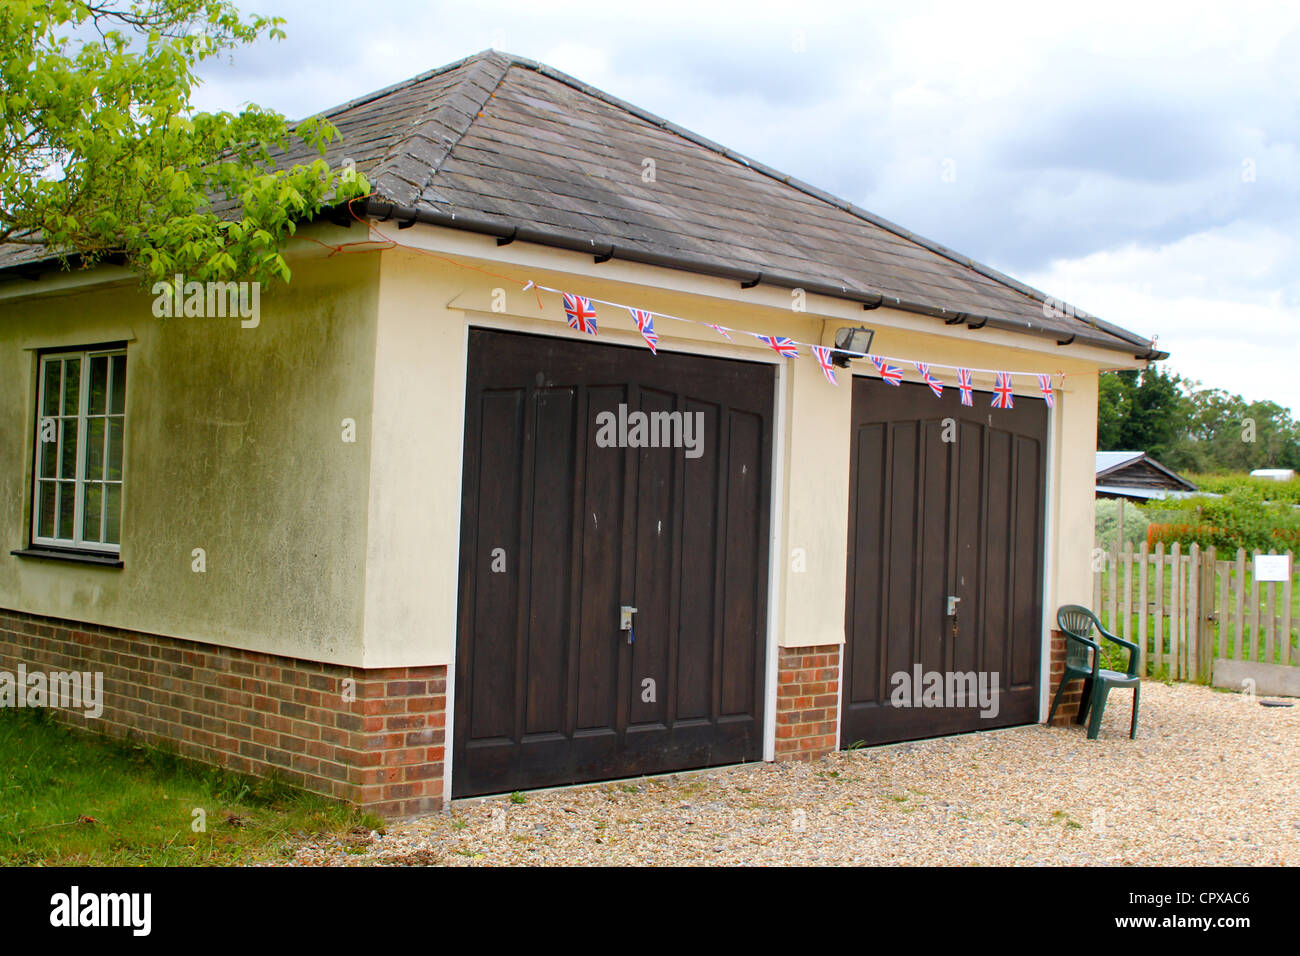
column 73, row 798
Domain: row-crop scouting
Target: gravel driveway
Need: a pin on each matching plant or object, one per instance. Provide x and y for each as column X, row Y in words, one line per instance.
column 1213, row 778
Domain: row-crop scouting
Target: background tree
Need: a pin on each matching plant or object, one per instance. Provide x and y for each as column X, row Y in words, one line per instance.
column 102, row 153
column 1142, row 411
column 1190, row 428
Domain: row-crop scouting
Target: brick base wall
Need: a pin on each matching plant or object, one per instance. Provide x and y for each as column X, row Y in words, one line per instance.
column 1068, row 709
column 807, row 702
column 374, row 738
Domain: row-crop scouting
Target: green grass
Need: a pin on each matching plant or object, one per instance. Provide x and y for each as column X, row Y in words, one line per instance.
column 73, row 798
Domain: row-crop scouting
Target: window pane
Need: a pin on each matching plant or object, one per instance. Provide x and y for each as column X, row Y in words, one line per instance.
column 114, row 449
column 118, row 405
column 95, row 429
column 98, row 385
column 112, row 513
column 48, row 451
column 90, row 504
column 71, row 387
column 45, row 509
column 53, row 385
column 67, row 508
column 68, row 456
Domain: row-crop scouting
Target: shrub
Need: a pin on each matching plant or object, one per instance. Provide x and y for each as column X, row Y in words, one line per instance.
column 1184, row 534
column 1287, row 492
column 1107, row 518
column 1242, row 518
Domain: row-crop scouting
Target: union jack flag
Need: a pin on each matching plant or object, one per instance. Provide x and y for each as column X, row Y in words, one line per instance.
column 963, row 383
column 780, row 344
column 580, row 312
column 1002, row 391
column 936, row 386
column 890, row 373
column 645, row 323
column 1045, row 384
column 721, row 331
column 823, row 355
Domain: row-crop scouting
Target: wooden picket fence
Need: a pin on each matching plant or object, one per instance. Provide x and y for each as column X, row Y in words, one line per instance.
column 1185, row 608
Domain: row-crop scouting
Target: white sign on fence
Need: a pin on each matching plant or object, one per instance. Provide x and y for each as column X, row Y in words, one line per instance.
column 1272, row 567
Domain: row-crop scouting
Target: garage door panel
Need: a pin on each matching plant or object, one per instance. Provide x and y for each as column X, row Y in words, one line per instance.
column 931, row 518
column 970, row 529
column 898, row 562
column 549, row 548
column 1023, row 666
column 996, row 623
column 549, row 690
column 492, row 669
column 866, row 683
column 746, row 533
column 656, row 539
column 931, row 590
column 697, row 618
column 599, row 575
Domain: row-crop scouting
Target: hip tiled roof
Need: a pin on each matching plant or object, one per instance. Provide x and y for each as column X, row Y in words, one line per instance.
column 509, row 147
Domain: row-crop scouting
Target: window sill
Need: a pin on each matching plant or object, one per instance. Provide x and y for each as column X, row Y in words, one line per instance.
column 77, row 557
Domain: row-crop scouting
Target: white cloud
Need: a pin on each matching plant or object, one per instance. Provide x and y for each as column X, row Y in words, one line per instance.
column 1225, row 303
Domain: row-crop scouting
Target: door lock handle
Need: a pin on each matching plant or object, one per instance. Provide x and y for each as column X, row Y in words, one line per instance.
column 625, row 613
column 953, row 601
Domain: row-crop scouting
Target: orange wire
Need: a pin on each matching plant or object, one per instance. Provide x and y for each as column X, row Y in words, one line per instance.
column 393, row 243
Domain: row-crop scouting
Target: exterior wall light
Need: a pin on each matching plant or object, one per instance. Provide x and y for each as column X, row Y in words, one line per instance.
column 849, row 340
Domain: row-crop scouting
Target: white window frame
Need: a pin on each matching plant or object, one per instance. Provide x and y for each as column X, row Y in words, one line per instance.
column 79, row 481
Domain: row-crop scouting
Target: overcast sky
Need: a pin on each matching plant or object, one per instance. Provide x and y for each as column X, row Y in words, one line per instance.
column 1136, row 159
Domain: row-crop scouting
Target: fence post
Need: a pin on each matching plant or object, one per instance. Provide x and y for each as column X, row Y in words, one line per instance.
column 1210, row 619
column 1240, row 588
column 1096, row 577
column 1144, row 606
column 1158, row 626
column 1193, row 612
column 1270, row 626
column 1286, row 610
column 1176, row 609
column 1225, row 572
column 1127, row 607
column 1112, row 579
column 1254, row 611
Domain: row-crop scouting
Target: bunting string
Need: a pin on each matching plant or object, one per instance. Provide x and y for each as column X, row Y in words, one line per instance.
column 581, row 314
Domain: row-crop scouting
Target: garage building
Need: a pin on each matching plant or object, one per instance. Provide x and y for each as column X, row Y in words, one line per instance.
column 380, row 542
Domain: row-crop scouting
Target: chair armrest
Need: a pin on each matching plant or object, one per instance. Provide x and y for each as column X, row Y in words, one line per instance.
column 1132, row 648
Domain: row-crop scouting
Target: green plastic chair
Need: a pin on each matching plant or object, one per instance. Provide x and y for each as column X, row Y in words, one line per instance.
column 1083, row 660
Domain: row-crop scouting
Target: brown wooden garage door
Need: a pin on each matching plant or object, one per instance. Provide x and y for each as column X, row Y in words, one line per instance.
column 558, row 532
column 931, row 518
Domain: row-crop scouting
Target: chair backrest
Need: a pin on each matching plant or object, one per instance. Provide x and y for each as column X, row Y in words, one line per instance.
column 1079, row 621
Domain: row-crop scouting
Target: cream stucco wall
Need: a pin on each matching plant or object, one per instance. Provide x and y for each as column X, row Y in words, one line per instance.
column 234, row 444
column 432, row 293
column 1074, row 470
column 412, row 558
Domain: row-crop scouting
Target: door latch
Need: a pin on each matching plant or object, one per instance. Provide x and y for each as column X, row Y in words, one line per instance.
column 625, row 613
column 953, row 601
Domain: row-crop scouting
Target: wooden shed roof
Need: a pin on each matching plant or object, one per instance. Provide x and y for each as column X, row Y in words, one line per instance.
column 1132, row 472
